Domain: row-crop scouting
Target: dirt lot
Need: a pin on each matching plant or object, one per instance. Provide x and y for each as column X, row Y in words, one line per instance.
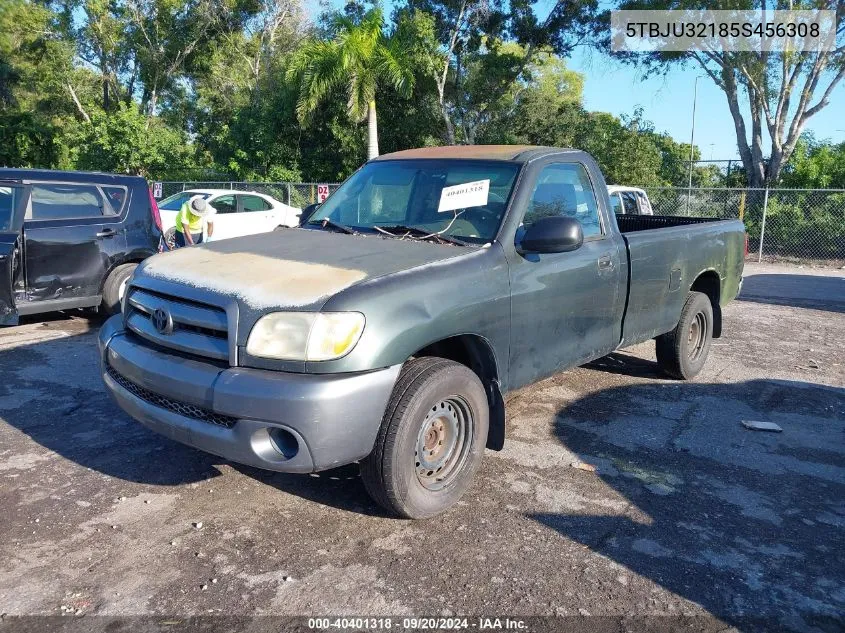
column 687, row 512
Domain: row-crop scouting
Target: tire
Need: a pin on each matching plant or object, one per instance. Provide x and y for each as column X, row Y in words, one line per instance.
column 435, row 403
column 115, row 286
column 170, row 238
column 682, row 352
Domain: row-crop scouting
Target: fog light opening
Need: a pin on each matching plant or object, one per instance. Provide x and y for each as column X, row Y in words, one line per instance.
column 284, row 442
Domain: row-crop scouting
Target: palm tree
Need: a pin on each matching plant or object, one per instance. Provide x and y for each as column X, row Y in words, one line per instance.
column 359, row 58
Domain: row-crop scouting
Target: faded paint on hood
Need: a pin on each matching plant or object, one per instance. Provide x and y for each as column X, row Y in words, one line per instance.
column 295, row 268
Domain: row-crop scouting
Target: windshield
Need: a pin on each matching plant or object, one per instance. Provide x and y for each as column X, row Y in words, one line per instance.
column 175, row 202
column 463, row 199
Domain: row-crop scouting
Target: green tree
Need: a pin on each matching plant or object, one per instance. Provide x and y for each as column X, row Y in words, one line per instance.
column 36, row 83
column 528, row 108
column 778, row 91
column 243, row 109
column 169, row 35
column 627, row 156
column 101, row 43
column 815, row 165
column 470, row 30
column 127, row 141
column 358, row 58
column 413, row 119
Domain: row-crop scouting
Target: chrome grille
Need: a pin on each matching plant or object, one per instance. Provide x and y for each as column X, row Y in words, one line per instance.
column 197, row 329
column 181, row 408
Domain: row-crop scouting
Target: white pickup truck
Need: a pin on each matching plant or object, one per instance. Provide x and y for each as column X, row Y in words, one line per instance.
column 629, row 200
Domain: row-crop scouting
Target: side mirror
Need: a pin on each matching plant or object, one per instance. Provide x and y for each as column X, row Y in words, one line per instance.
column 307, row 212
column 555, row 234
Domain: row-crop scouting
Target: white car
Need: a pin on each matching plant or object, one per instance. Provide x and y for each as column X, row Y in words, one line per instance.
column 238, row 213
column 629, row 200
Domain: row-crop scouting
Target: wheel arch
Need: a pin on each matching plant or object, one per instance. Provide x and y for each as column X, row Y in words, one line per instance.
column 476, row 353
column 710, row 284
column 130, row 258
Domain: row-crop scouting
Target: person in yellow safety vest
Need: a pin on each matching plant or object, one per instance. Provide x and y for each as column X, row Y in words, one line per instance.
column 190, row 219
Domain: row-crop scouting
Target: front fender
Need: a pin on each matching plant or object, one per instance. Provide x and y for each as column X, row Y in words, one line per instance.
column 410, row 310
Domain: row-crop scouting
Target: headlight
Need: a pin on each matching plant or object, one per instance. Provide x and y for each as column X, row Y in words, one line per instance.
column 305, row 335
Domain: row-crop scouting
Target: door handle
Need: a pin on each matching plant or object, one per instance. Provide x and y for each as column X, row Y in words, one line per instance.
column 106, row 233
column 3, row 258
column 605, row 262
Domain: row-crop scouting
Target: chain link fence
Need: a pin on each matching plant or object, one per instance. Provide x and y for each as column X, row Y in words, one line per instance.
column 782, row 224
column 295, row 194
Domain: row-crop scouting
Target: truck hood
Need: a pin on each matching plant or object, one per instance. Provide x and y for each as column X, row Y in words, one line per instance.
column 292, row 268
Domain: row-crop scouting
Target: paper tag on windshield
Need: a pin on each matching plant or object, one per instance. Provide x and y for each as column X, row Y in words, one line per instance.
column 468, row 194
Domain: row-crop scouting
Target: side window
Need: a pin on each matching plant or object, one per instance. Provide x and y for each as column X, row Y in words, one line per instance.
column 225, row 204
column 629, row 198
column 116, row 197
column 66, row 202
column 645, row 205
column 8, row 202
column 254, row 203
column 565, row 189
column 616, row 204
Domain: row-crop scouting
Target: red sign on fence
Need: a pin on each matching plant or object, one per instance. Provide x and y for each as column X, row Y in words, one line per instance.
column 322, row 193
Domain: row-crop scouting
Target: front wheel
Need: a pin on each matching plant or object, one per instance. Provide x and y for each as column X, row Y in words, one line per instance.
column 115, row 287
column 431, row 439
column 682, row 352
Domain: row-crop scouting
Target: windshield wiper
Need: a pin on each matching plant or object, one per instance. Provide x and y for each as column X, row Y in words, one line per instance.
column 418, row 233
column 326, row 222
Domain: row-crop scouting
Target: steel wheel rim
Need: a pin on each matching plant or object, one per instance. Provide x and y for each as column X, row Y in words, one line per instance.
column 443, row 443
column 697, row 336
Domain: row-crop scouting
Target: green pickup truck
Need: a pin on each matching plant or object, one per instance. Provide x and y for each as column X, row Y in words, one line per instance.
column 389, row 327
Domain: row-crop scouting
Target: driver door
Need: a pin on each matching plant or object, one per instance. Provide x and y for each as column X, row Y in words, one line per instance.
column 13, row 201
column 566, row 307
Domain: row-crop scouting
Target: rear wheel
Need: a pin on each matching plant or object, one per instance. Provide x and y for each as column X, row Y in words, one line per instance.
column 431, row 439
column 115, row 287
column 682, row 352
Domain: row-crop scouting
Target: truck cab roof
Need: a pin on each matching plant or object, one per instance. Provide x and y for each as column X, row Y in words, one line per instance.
column 512, row 153
column 617, row 188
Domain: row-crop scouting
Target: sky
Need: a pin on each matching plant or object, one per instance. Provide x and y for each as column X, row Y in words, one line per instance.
column 666, row 101
column 610, row 86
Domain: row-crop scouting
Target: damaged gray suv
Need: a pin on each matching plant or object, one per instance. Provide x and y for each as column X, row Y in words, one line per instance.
column 388, row 327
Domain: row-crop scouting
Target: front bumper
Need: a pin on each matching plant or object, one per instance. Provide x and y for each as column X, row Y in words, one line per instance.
column 274, row 420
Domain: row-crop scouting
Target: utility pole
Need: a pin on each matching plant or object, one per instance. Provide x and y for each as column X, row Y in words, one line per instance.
column 691, row 140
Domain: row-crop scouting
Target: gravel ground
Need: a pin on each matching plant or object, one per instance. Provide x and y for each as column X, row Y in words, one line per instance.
column 686, row 512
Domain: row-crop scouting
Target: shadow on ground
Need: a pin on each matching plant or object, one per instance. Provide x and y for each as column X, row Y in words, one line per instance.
column 75, row 418
column 816, row 292
column 747, row 524
column 625, row 364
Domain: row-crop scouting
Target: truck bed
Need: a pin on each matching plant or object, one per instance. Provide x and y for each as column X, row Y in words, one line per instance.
column 666, row 255
column 633, row 223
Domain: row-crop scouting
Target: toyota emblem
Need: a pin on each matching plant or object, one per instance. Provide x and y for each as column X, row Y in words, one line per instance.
column 162, row 321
